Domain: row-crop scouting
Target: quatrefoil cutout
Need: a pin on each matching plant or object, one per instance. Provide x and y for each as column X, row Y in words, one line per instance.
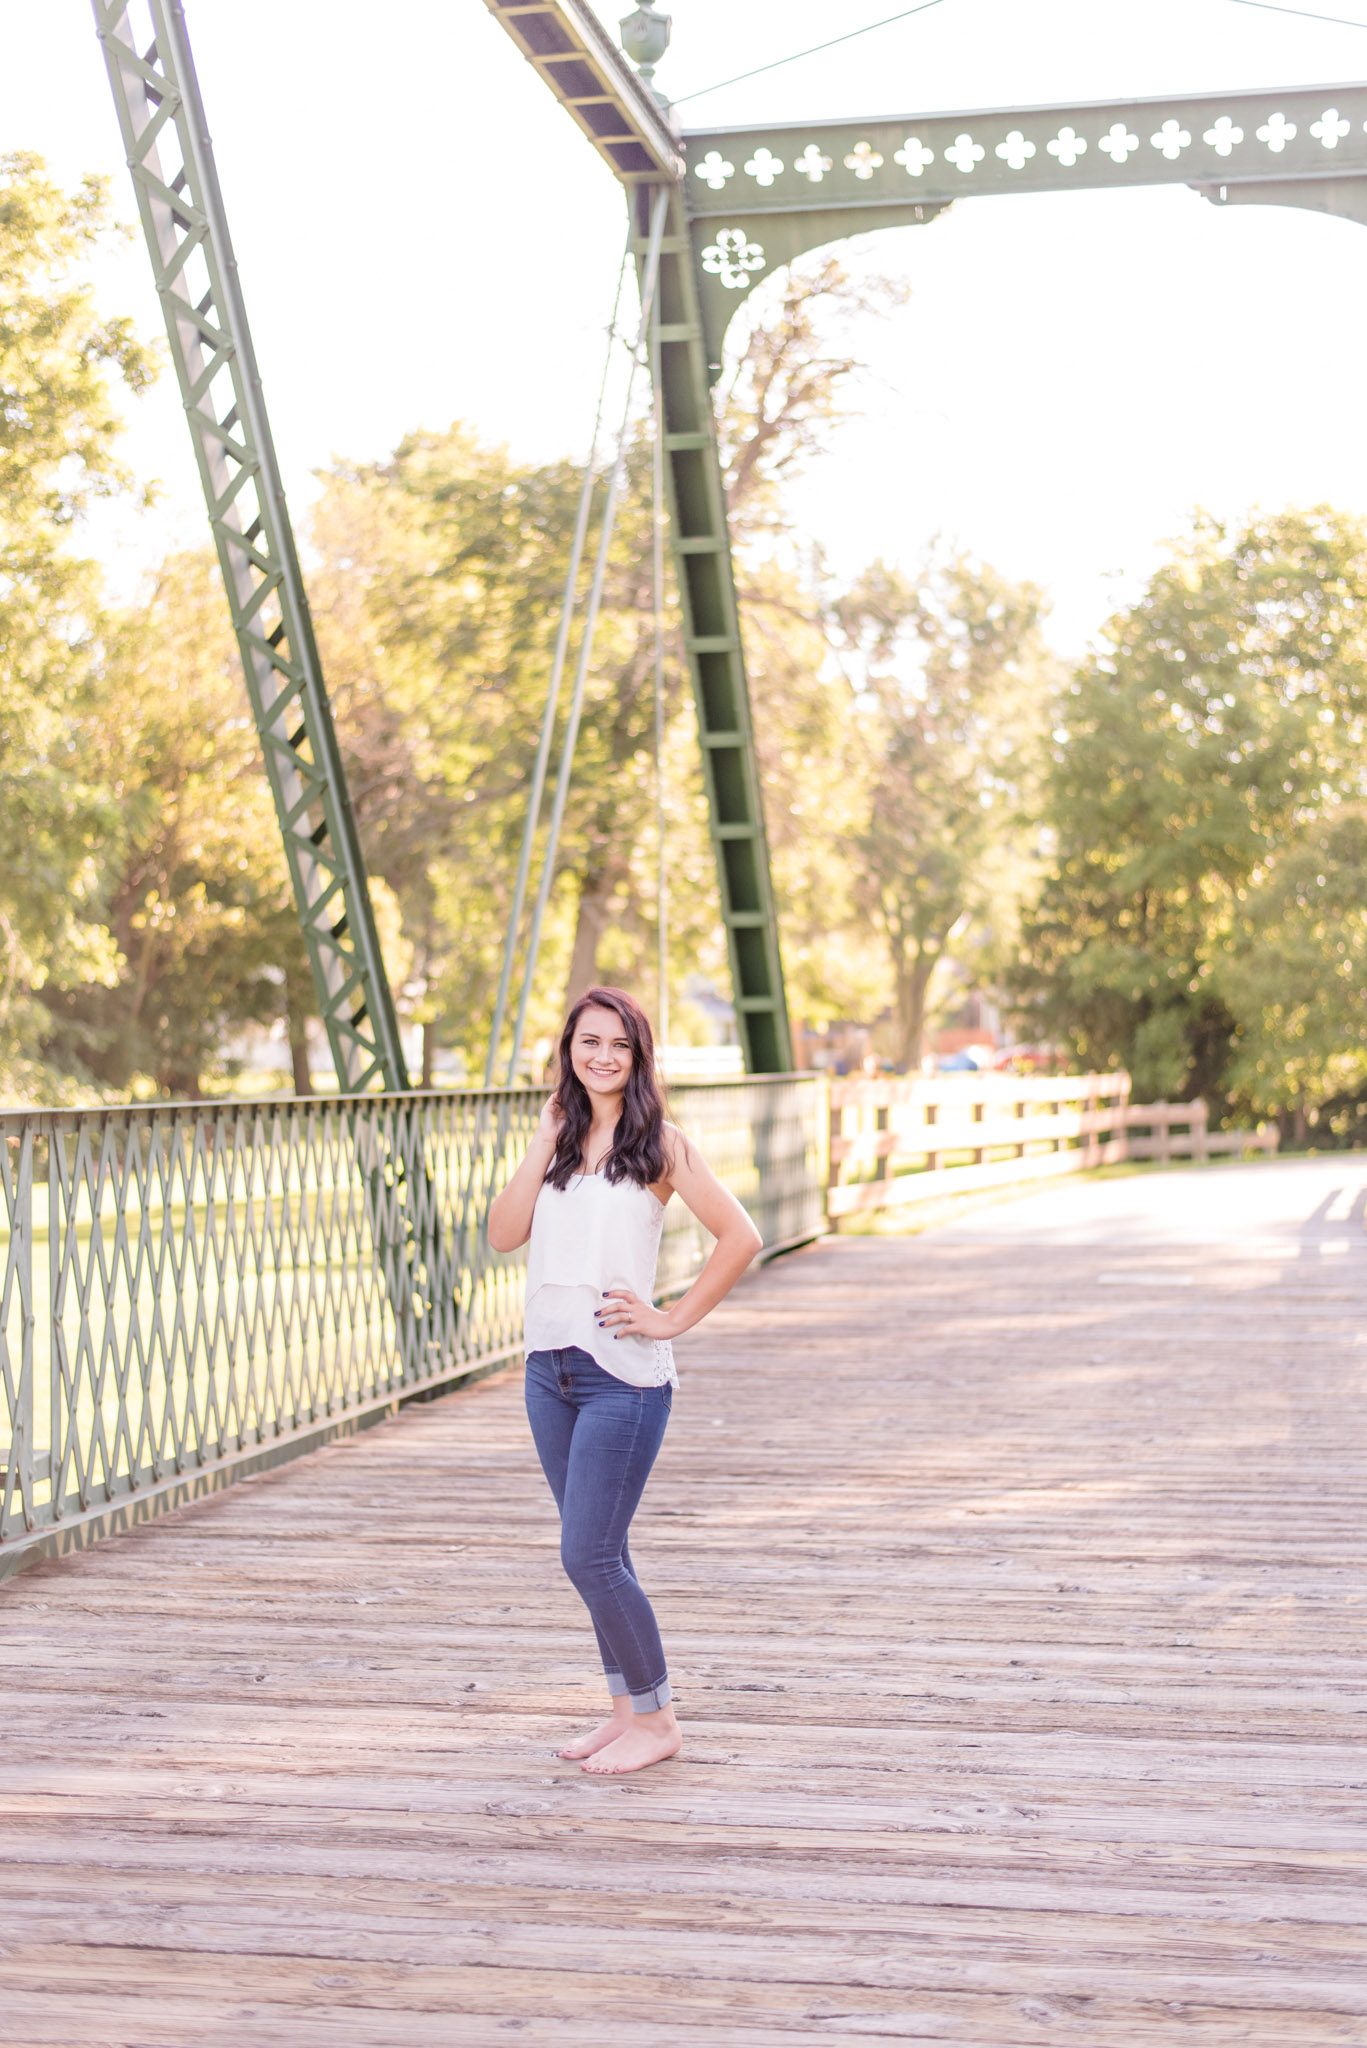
column 1331, row 128
column 1118, row 143
column 1015, row 152
column 913, row 156
column 863, row 160
column 1067, row 146
column 1223, row 136
column 764, row 167
column 714, row 170
column 733, row 259
column 1276, row 132
column 965, row 154
column 812, row 164
column 1171, row 139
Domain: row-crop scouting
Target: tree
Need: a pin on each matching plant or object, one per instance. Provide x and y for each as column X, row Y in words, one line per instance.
column 1226, row 714
column 1293, row 974
column 59, row 361
column 955, row 684
column 438, row 603
column 192, row 886
column 791, row 384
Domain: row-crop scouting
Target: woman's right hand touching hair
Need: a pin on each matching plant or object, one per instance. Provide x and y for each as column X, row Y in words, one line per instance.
column 510, row 1215
column 551, row 1121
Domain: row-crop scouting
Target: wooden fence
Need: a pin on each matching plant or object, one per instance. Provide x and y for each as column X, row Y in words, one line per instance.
column 896, row 1141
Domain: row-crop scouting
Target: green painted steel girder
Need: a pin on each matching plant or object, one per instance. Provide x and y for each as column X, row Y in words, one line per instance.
column 759, row 196
column 696, row 497
column 166, row 141
column 593, row 81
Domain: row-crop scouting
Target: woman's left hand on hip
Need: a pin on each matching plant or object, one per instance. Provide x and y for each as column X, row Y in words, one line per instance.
column 624, row 1314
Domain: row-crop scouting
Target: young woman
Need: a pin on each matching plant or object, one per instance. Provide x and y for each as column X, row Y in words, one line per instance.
column 590, row 1195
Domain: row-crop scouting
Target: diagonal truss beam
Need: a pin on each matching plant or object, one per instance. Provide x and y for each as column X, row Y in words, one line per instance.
column 166, row 141
column 757, row 197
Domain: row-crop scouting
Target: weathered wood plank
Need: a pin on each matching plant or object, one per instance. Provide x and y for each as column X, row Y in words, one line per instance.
column 947, row 2008
column 1014, row 1594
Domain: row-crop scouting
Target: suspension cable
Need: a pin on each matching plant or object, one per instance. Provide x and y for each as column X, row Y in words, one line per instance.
column 657, row 577
column 648, row 283
column 562, row 640
column 1301, row 13
column 1267, row 6
column 797, row 55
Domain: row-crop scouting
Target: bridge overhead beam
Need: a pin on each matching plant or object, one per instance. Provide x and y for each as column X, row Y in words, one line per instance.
column 566, row 44
column 759, row 196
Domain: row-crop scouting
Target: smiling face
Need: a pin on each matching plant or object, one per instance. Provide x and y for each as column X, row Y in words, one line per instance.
column 600, row 1053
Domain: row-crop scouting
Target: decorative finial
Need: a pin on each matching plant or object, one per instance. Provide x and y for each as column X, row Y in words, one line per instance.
column 645, row 38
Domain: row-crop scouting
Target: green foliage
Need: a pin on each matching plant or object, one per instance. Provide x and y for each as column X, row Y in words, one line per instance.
column 193, row 891
column 437, row 600
column 58, row 428
column 813, row 773
column 1223, row 721
column 1294, row 973
column 1190, row 847
column 956, row 682
column 787, row 391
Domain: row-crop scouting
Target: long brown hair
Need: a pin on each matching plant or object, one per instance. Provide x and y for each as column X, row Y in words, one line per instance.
column 638, row 1151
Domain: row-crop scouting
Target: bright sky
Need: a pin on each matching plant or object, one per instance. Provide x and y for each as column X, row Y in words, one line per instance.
column 423, row 236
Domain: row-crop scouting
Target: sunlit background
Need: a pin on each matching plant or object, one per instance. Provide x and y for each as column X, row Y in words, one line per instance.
column 425, row 236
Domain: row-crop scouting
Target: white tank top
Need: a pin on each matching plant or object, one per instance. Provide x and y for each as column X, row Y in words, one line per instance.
column 592, row 1235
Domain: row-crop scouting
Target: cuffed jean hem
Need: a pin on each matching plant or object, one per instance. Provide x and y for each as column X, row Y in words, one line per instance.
column 651, row 1702
column 617, row 1685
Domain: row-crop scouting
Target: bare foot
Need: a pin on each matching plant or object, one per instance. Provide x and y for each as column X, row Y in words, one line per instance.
column 599, row 1738
column 650, row 1739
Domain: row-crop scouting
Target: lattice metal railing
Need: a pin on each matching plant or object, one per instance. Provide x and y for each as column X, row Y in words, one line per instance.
column 185, row 1290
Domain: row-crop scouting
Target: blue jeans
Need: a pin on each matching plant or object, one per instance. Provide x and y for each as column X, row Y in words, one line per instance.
column 597, row 1439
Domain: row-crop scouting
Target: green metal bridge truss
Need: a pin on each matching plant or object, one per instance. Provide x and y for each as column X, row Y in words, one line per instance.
column 746, row 201
column 743, row 202
column 758, row 197
column 166, row 139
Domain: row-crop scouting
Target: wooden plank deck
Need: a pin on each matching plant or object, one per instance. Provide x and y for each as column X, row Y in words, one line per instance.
column 1012, row 1576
